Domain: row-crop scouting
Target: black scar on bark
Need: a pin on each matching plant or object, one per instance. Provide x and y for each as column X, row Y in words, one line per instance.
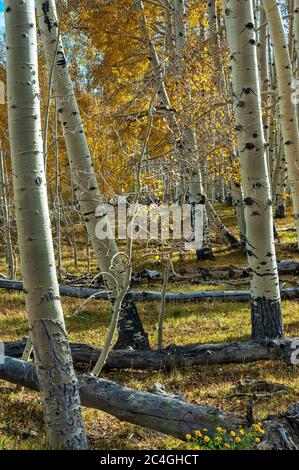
column 232, row 240
column 130, row 329
column 61, row 61
column 47, row 21
column 205, row 254
column 280, row 212
column 266, row 319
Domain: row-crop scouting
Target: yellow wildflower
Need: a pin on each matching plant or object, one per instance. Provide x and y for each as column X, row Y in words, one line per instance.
column 188, row 437
column 227, row 445
column 237, row 440
column 257, row 440
column 242, row 432
column 232, row 433
column 198, row 434
column 219, row 429
column 206, row 439
column 205, row 430
column 218, row 439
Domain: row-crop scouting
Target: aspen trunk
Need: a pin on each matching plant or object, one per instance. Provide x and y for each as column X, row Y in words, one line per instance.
column 265, row 297
column 196, row 195
column 131, row 332
column 264, row 77
column 56, row 376
column 238, row 197
column 296, row 32
column 6, row 218
column 212, row 16
column 288, row 116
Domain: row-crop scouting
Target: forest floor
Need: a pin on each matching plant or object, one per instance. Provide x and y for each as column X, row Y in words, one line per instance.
column 20, row 410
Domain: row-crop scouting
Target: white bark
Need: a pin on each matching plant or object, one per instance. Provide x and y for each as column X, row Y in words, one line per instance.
column 264, row 77
column 266, row 304
column 55, row 371
column 238, row 197
column 6, row 218
column 296, row 30
column 212, row 16
column 288, row 117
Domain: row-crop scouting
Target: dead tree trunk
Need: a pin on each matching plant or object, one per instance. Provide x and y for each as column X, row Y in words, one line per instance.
column 179, row 356
column 142, row 296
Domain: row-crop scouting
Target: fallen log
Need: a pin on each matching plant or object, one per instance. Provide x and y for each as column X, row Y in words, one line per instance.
column 285, row 267
column 139, row 296
column 163, row 414
column 292, row 247
column 178, row 356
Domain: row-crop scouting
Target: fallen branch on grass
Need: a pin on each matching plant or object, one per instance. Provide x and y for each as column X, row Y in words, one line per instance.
column 286, row 267
column 195, row 296
column 178, row 356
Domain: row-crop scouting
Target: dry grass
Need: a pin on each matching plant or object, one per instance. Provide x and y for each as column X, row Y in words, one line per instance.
column 20, row 410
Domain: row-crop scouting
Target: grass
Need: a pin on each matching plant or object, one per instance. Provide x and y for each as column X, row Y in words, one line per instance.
column 21, row 424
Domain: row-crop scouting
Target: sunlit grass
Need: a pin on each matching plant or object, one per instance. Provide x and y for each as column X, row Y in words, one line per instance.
column 205, row 322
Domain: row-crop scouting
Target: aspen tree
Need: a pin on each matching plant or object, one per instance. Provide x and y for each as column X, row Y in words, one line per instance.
column 296, row 32
column 265, row 293
column 171, row 118
column 212, row 16
column 130, row 329
column 264, row 75
column 6, row 217
column 238, row 197
column 56, row 376
column 287, row 115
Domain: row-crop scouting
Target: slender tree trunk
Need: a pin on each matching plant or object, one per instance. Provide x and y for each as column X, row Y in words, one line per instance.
column 264, row 77
column 6, row 218
column 57, row 198
column 296, row 33
column 131, row 332
column 196, row 196
column 288, row 116
column 163, row 301
column 212, row 16
column 238, row 198
column 56, row 376
column 266, row 302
